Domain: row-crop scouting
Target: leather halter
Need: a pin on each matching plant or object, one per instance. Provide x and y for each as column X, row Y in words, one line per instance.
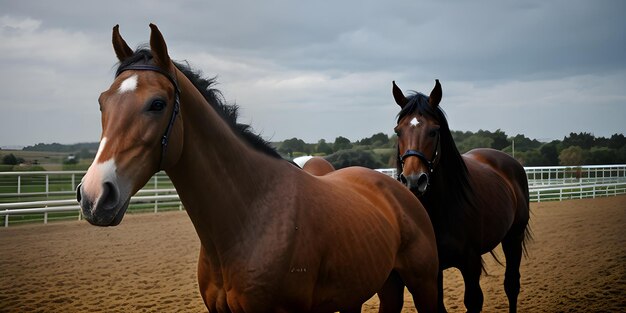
column 145, row 66
column 421, row 156
column 414, row 153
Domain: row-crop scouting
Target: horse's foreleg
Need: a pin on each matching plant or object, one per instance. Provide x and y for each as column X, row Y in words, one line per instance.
column 392, row 294
column 471, row 271
column 512, row 247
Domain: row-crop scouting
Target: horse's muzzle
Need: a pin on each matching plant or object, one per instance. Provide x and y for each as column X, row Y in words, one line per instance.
column 417, row 183
column 106, row 210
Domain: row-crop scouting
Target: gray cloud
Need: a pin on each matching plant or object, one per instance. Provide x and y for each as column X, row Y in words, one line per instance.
column 323, row 69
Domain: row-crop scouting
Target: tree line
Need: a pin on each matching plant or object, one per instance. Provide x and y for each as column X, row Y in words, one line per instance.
column 379, row 150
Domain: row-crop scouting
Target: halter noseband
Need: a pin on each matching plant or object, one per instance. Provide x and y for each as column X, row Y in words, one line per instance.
column 421, row 156
column 144, row 66
column 414, row 153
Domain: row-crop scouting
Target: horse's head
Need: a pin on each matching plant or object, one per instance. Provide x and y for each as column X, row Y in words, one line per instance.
column 418, row 137
column 141, row 130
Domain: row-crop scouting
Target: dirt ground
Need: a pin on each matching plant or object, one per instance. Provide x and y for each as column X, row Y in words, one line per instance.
column 576, row 263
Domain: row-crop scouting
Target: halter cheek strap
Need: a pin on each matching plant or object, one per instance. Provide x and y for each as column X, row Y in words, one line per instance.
column 175, row 111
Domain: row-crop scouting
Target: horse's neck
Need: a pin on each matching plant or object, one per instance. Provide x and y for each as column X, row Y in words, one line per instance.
column 219, row 178
column 438, row 201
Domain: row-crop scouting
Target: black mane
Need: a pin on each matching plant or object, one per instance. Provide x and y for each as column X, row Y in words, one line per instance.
column 451, row 166
column 228, row 112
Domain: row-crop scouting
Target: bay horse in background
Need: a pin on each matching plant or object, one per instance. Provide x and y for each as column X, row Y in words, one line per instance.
column 475, row 200
column 314, row 165
column 273, row 238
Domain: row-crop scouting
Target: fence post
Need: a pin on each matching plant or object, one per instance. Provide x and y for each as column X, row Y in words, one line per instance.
column 19, row 184
column 6, row 218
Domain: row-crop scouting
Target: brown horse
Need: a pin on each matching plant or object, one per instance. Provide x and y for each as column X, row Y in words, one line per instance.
column 475, row 200
column 317, row 166
column 273, row 238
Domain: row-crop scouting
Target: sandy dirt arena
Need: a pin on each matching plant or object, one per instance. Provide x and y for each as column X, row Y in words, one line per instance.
column 576, row 263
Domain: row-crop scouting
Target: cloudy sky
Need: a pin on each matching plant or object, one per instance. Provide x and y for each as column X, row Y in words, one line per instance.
column 322, row 69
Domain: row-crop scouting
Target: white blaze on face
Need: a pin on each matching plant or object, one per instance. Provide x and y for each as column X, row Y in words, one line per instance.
column 103, row 143
column 414, row 122
column 99, row 172
column 129, row 84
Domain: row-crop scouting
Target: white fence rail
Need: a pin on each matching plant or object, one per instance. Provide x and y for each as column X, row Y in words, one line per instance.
column 44, row 196
column 24, row 194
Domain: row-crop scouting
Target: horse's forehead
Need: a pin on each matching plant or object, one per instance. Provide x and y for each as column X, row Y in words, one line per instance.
column 139, row 81
column 129, row 84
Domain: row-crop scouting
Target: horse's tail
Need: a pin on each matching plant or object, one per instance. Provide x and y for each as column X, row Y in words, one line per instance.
column 528, row 234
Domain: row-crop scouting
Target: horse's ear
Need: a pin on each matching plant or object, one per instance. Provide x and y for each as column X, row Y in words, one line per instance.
column 122, row 50
column 159, row 48
column 435, row 95
column 401, row 100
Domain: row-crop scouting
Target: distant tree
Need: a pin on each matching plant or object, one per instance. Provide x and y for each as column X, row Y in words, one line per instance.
column 531, row 158
column 601, row 142
column 9, row 159
column 459, row 136
column 572, row 156
column 617, row 141
column 550, row 153
column 601, row 155
column 380, row 139
column 474, row 141
column 292, row 145
column 323, row 147
column 583, row 140
column 523, row 143
column 365, row 142
column 351, row 157
column 500, row 140
column 342, row 143
column 620, row 155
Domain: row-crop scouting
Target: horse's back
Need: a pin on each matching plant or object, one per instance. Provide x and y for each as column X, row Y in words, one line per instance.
column 505, row 165
column 318, row 166
column 387, row 196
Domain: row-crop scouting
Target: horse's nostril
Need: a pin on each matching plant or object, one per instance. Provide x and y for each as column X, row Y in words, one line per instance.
column 79, row 197
column 422, row 182
column 110, row 196
column 422, row 179
column 403, row 179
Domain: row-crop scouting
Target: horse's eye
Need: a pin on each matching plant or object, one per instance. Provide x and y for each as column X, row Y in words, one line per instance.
column 433, row 132
column 157, row 105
